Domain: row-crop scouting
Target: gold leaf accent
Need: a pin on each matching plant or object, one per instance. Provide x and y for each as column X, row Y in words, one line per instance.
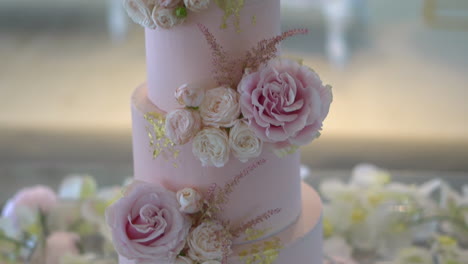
column 255, row 234
column 266, row 252
column 231, row 8
column 159, row 143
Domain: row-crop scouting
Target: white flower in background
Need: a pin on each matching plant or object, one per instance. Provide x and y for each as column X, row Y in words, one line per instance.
column 183, row 260
column 212, row 262
column 243, row 142
column 414, row 255
column 182, row 125
column 164, row 17
column 189, row 95
column 220, row 107
column 367, row 175
column 169, row 3
column 205, row 242
column 140, row 11
column 197, row 5
column 190, row 201
column 76, row 187
column 59, row 245
column 337, row 247
column 211, row 146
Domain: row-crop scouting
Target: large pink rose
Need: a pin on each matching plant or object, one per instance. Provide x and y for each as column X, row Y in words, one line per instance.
column 146, row 224
column 285, row 102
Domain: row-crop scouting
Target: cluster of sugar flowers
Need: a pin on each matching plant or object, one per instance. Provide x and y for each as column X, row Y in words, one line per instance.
column 162, row 13
column 152, row 224
column 259, row 99
column 39, row 225
column 212, row 119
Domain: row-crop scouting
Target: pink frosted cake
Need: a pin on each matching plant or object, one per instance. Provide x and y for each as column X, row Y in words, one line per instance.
column 216, row 133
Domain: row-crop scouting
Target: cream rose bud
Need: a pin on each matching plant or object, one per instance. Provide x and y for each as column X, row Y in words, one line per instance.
column 190, row 201
column 189, row 95
column 183, row 260
column 182, row 125
column 211, row 146
column 243, row 142
column 168, row 3
column 220, row 107
column 197, row 5
column 206, row 242
column 164, row 17
column 140, row 12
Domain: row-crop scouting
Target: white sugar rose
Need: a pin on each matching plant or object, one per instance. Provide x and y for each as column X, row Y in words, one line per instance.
column 140, row 11
column 197, row 5
column 189, row 95
column 211, row 146
column 183, row 260
column 220, row 107
column 190, row 201
column 164, row 17
column 207, row 242
column 182, row 125
column 168, row 3
column 243, row 142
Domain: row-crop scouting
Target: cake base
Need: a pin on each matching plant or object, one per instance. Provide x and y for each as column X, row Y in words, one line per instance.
column 301, row 242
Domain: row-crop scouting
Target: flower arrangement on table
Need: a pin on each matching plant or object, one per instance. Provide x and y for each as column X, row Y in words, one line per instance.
column 260, row 98
column 373, row 219
column 370, row 220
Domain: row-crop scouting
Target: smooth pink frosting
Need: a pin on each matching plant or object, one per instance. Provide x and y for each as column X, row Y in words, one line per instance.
column 301, row 241
column 181, row 55
column 276, row 184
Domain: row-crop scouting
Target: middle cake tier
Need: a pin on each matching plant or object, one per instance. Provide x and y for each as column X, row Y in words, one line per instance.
column 272, row 183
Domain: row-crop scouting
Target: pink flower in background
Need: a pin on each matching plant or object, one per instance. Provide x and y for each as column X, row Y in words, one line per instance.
column 146, row 224
column 189, row 95
column 182, row 125
column 34, row 198
column 169, row 3
column 60, row 244
column 285, row 102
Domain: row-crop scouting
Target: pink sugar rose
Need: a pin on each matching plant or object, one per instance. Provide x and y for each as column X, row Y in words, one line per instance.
column 34, row 198
column 285, row 102
column 182, row 125
column 146, row 224
column 59, row 245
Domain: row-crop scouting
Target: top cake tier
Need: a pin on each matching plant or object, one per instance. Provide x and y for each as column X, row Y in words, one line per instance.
column 181, row 55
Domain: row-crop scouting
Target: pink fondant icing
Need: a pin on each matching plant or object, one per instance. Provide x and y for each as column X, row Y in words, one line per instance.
column 273, row 185
column 301, row 241
column 181, row 55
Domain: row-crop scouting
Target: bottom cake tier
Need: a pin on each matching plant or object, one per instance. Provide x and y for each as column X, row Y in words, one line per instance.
column 300, row 242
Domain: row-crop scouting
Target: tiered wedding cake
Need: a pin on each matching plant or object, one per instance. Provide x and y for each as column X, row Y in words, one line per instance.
column 216, row 131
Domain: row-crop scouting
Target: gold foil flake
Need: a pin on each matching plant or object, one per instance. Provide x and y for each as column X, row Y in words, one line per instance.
column 231, row 8
column 254, row 234
column 262, row 253
column 254, row 20
column 159, row 143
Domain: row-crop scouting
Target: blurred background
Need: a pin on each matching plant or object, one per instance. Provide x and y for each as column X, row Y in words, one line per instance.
column 399, row 70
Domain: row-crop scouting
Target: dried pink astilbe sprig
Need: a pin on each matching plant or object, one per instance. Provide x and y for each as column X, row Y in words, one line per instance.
column 267, row 49
column 226, row 70
column 237, row 232
column 226, row 245
column 222, row 197
column 216, row 198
